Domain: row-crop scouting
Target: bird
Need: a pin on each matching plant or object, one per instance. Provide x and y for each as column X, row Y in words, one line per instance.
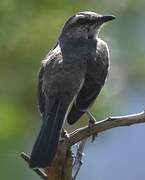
column 70, row 78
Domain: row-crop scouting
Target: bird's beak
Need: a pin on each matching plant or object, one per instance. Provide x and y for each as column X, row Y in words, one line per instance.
column 106, row 18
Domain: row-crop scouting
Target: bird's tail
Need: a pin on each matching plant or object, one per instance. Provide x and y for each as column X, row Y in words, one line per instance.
column 46, row 144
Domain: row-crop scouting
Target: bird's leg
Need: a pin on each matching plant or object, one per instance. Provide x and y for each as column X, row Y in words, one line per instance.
column 78, row 159
column 92, row 121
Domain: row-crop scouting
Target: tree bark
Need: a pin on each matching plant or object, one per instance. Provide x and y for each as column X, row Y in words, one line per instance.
column 61, row 168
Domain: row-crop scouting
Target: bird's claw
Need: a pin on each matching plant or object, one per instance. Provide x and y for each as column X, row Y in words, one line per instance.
column 91, row 124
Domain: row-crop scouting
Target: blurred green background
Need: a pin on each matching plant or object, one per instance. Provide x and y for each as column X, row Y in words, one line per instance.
column 28, row 29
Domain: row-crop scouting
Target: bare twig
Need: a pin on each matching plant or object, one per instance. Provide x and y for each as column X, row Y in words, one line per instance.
column 40, row 172
column 108, row 123
column 81, row 135
column 78, row 158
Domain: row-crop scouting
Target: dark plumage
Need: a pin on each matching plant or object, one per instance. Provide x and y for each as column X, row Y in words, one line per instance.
column 71, row 77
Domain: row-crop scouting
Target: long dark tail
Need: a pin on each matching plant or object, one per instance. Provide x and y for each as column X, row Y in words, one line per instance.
column 46, row 144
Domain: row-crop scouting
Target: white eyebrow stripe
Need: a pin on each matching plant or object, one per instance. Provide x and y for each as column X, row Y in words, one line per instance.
column 77, row 16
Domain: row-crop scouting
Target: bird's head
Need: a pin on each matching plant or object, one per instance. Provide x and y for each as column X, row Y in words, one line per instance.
column 85, row 25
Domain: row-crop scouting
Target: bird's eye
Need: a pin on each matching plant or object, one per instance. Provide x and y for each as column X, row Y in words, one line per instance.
column 84, row 21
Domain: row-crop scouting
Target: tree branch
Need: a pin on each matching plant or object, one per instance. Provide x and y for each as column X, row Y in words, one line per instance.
column 40, row 172
column 108, row 123
column 78, row 159
column 64, row 153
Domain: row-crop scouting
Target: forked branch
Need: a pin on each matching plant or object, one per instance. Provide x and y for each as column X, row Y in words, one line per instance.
column 80, row 135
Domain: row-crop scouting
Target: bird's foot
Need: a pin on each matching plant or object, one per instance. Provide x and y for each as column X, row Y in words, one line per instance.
column 91, row 124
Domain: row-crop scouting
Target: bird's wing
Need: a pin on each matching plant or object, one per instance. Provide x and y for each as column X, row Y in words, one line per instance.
column 41, row 96
column 85, row 98
column 91, row 87
column 58, row 86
